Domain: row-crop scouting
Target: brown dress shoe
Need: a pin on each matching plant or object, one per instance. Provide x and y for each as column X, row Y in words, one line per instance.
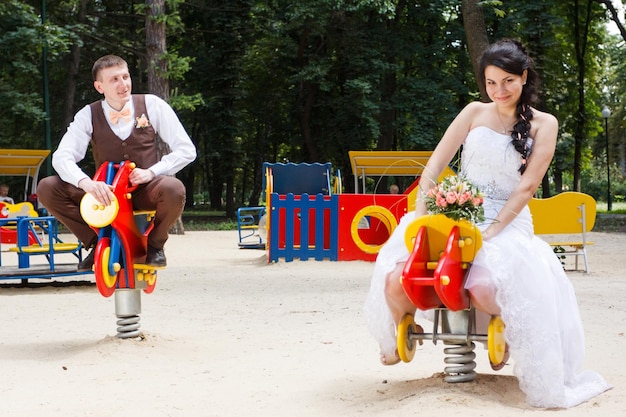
column 155, row 257
column 87, row 263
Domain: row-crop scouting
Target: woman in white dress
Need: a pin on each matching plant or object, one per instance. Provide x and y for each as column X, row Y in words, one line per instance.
column 507, row 147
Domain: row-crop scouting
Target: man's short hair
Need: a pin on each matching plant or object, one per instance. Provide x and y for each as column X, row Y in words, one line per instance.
column 106, row 61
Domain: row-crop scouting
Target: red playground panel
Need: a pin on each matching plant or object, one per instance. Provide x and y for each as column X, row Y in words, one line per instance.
column 366, row 222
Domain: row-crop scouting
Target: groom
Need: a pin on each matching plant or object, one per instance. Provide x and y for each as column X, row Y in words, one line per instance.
column 122, row 127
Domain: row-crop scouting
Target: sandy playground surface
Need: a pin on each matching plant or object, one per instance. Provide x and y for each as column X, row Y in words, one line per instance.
column 226, row 335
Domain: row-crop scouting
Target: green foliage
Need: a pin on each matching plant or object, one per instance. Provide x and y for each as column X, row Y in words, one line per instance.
column 558, row 251
column 21, row 42
column 309, row 80
column 594, row 181
column 182, row 102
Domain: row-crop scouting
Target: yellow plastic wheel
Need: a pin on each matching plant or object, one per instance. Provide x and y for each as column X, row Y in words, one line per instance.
column 108, row 279
column 96, row 214
column 496, row 344
column 104, row 280
column 406, row 346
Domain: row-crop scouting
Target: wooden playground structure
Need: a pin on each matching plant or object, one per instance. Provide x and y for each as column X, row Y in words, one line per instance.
column 24, row 232
column 309, row 217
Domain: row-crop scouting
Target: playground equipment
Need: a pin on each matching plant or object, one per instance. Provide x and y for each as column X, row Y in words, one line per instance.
column 568, row 217
column 303, row 206
column 27, row 234
column 433, row 278
column 300, row 207
column 121, row 247
column 387, row 164
column 296, row 185
column 251, row 227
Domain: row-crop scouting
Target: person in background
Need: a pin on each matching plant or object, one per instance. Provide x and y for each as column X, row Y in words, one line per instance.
column 4, row 194
column 394, row 189
column 121, row 127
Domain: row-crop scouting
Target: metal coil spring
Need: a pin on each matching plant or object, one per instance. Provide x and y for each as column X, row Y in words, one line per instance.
column 462, row 361
column 128, row 327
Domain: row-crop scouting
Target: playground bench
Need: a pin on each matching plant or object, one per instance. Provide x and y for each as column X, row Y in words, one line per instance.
column 569, row 213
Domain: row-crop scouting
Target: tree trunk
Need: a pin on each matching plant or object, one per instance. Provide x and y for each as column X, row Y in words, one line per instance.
column 158, row 83
column 156, row 49
column 388, row 134
column 477, row 40
column 306, row 97
column 72, row 69
column 581, row 33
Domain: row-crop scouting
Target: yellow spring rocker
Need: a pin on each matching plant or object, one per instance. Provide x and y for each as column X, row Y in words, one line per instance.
column 441, row 252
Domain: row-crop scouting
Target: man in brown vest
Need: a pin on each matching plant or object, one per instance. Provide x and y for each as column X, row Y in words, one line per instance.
column 122, row 127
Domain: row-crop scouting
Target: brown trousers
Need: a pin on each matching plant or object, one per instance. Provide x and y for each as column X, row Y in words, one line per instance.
column 166, row 195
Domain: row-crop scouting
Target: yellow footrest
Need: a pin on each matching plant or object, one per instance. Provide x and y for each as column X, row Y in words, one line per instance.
column 145, row 268
column 58, row 247
column 147, row 273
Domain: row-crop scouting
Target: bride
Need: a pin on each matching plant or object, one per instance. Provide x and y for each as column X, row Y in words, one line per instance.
column 507, row 147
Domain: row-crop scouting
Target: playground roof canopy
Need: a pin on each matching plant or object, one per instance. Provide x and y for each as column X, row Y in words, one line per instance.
column 387, row 163
column 23, row 163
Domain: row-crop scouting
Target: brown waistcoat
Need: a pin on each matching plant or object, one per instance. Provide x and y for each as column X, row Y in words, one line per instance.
column 140, row 147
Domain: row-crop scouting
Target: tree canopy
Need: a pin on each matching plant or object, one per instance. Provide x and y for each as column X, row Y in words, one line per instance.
column 277, row 80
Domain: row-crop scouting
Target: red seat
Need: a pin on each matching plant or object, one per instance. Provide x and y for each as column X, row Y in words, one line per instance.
column 436, row 283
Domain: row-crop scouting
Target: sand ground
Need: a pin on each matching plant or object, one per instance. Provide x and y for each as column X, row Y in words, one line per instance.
column 229, row 335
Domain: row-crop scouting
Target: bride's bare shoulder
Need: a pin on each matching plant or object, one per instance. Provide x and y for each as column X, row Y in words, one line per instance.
column 544, row 119
column 544, row 124
column 476, row 110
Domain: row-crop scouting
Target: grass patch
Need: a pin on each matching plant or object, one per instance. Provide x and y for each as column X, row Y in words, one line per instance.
column 207, row 220
column 616, row 207
column 195, row 225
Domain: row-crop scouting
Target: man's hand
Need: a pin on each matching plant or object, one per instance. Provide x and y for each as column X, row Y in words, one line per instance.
column 99, row 189
column 140, row 176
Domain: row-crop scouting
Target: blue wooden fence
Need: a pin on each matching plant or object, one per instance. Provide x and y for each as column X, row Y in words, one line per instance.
column 307, row 210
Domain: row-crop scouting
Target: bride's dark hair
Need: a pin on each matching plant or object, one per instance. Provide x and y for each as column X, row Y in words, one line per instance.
column 511, row 56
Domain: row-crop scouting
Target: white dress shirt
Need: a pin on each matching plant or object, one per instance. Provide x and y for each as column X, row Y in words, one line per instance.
column 73, row 145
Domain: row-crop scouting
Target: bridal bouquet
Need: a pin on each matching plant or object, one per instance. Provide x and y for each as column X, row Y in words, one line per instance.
column 456, row 198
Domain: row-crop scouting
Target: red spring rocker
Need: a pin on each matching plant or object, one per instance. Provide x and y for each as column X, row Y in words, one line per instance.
column 433, row 277
column 122, row 234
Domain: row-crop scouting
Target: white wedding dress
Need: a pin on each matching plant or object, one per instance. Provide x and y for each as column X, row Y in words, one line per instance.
column 543, row 326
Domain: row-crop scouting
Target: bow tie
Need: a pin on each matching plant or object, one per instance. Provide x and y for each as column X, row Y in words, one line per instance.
column 115, row 115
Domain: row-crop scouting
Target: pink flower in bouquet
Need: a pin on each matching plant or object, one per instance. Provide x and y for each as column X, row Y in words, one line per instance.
column 465, row 197
column 451, row 197
column 456, row 198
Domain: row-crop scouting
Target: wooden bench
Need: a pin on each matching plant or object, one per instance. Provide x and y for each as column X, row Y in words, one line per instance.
column 568, row 213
